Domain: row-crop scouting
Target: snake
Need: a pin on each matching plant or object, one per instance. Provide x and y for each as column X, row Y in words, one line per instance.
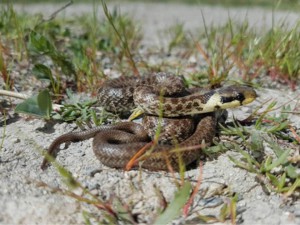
column 163, row 98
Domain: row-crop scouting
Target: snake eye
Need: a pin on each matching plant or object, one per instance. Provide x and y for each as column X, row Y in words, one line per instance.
column 240, row 97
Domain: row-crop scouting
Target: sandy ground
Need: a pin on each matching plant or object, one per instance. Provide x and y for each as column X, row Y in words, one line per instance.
column 23, row 202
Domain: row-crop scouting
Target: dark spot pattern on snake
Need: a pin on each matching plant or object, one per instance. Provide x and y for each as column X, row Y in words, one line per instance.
column 179, row 107
column 188, row 105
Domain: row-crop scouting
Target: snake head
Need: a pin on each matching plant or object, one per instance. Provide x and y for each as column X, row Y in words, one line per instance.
column 237, row 95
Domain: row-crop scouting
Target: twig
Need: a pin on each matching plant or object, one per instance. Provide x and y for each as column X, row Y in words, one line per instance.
column 23, row 96
column 13, row 94
column 53, row 15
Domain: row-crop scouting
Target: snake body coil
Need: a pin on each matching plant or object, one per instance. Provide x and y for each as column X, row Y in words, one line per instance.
column 159, row 94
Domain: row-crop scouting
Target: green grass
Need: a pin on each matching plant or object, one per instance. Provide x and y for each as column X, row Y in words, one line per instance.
column 288, row 4
column 278, row 167
column 240, row 48
column 71, row 54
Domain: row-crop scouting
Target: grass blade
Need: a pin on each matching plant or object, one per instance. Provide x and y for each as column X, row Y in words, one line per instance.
column 175, row 207
column 280, row 161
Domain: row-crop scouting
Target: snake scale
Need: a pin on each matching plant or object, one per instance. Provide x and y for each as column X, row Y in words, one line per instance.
column 165, row 100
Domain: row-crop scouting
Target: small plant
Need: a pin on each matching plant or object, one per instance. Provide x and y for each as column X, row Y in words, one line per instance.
column 238, row 49
column 82, row 114
column 14, row 26
column 280, row 51
column 123, row 37
column 178, row 38
column 40, row 46
column 278, row 166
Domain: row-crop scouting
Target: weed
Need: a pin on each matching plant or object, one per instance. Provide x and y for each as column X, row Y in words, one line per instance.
column 14, row 25
column 280, row 52
column 261, row 154
column 178, row 37
column 122, row 37
column 236, row 49
column 82, row 113
column 40, row 46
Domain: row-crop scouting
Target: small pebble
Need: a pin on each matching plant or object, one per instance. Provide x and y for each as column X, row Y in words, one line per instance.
column 276, row 169
column 94, row 192
column 78, row 191
column 15, row 140
column 258, row 197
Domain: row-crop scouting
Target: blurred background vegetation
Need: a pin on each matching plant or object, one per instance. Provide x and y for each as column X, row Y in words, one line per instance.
column 283, row 4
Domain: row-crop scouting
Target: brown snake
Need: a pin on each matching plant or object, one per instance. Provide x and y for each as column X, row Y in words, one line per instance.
column 159, row 94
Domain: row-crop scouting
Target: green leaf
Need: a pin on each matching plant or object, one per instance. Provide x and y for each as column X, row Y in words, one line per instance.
column 240, row 164
column 256, row 141
column 104, row 44
column 174, row 208
column 42, row 72
column 64, row 63
column 276, row 149
column 291, row 171
column 44, row 103
column 252, row 163
column 39, row 44
column 280, row 161
column 36, row 106
column 274, row 180
column 258, row 124
column 281, row 182
column 294, row 187
column 87, row 217
column 67, row 176
column 267, row 163
column 123, row 212
column 224, row 212
column 279, row 127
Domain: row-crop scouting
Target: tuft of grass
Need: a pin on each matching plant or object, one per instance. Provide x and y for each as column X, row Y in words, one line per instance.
column 123, row 37
column 279, row 51
column 83, row 113
column 179, row 38
column 274, row 165
column 236, row 51
column 13, row 26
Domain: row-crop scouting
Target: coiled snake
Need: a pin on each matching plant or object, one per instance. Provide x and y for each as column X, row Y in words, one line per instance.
column 163, row 96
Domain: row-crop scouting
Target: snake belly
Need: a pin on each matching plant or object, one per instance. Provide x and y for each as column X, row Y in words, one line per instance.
column 159, row 95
